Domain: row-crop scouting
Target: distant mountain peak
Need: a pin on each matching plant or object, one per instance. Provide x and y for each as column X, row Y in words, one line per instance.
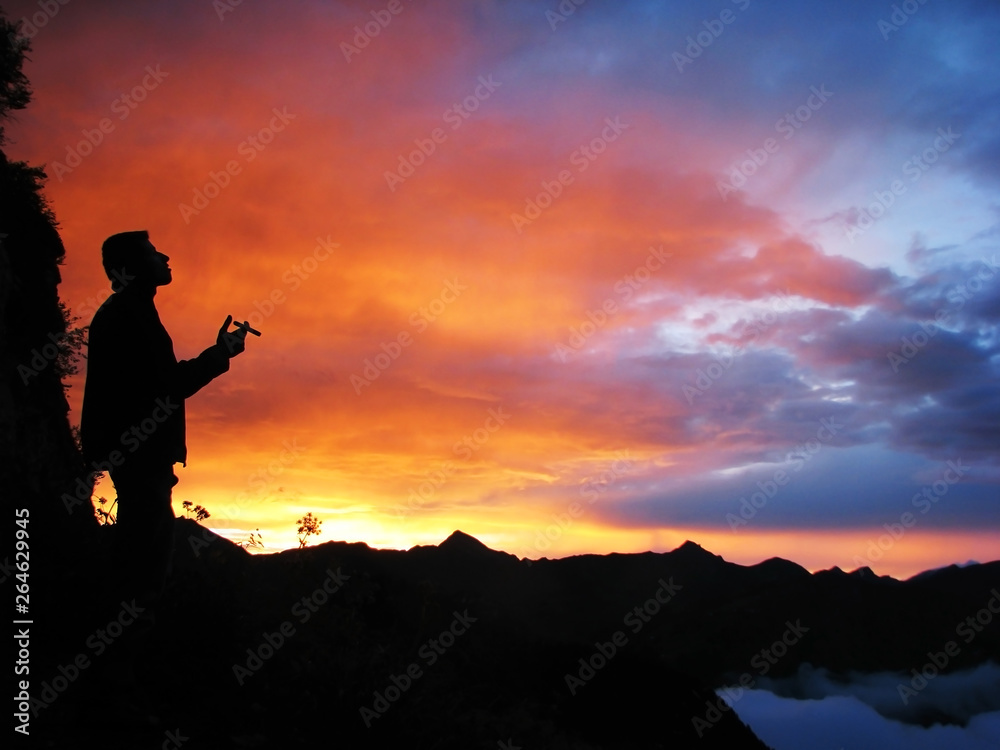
column 459, row 541
column 781, row 566
column 694, row 555
column 693, row 549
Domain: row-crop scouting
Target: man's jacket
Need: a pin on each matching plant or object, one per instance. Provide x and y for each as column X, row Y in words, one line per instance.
column 133, row 403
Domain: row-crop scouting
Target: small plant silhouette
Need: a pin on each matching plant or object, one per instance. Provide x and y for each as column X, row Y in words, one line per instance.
column 105, row 517
column 308, row 524
column 200, row 513
column 254, row 540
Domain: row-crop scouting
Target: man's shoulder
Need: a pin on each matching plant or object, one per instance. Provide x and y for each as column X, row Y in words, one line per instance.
column 121, row 309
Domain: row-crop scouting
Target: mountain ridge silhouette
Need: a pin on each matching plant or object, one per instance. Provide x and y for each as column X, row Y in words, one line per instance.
column 596, row 588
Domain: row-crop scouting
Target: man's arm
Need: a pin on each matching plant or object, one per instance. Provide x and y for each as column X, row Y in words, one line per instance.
column 191, row 375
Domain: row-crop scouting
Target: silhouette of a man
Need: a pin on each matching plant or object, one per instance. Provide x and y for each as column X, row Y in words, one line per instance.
column 133, row 407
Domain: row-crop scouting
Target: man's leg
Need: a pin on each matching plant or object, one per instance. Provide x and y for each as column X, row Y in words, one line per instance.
column 144, row 530
column 143, row 550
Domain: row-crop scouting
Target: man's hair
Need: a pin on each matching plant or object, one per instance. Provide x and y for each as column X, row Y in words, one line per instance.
column 118, row 253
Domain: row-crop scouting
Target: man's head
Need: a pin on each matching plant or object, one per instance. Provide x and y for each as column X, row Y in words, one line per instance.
column 130, row 258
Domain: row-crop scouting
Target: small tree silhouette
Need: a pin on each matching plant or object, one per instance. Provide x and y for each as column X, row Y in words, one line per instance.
column 309, row 524
column 200, row 513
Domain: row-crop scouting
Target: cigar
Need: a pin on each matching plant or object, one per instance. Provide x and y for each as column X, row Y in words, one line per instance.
column 246, row 327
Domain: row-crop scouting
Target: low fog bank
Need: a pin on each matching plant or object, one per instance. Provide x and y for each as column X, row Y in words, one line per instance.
column 843, row 721
column 920, row 696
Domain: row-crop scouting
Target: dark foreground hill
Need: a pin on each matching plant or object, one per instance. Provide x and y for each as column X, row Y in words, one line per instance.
column 344, row 646
column 460, row 646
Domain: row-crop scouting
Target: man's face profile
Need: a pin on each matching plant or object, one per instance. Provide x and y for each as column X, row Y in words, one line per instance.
column 151, row 265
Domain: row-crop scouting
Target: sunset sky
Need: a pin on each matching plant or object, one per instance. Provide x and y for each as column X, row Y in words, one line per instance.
column 570, row 278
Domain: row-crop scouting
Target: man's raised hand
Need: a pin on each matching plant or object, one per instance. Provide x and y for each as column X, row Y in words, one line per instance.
column 234, row 342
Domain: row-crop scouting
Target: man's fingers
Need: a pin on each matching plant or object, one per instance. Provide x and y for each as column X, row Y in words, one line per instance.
column 235, row 341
